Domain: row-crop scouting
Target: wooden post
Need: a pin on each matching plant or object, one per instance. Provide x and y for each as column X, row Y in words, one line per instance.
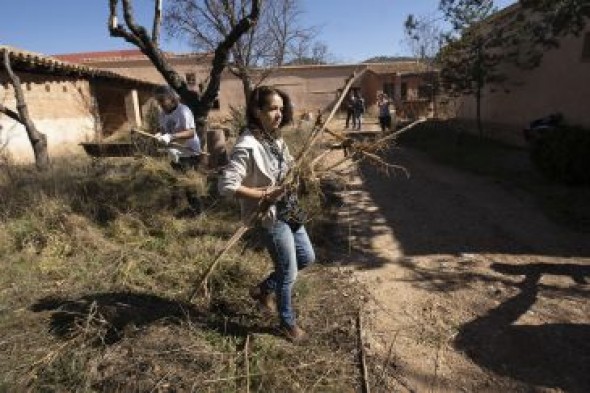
column 132, row 109
column 397, row 88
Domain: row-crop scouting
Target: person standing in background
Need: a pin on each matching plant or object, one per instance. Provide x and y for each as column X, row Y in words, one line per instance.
column 350, row 100
column 359, row 110
column 383, row 106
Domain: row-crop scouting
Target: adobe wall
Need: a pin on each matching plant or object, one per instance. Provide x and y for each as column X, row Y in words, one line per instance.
column 560, row 84
column 310, row 89
column 60, row 107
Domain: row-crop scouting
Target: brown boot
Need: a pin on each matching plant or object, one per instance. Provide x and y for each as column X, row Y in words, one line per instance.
column 265, row 300
column 294, row 334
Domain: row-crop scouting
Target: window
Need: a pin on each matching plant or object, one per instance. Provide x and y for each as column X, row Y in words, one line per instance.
column 586, row 47
column 191, row 78
column 404, row 91
column 389, row 90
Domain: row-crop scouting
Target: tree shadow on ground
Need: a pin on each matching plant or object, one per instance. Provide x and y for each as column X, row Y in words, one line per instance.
column 438, row 210
column 551, row 354
column 111, row 316
column 439, row 224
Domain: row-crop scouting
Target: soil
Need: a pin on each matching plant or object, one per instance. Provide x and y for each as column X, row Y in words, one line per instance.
column 470, row 287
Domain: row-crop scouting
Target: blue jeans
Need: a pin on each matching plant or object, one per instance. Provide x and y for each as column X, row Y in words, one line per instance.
column 290, row 251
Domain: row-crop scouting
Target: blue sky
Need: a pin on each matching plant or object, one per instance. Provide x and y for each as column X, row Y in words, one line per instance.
column 354, row 30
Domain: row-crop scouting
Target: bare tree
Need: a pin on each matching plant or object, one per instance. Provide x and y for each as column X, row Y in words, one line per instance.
column 424, row 38
column 200, row 102
column 38, row 140
column 306, row 54
column 270, row 43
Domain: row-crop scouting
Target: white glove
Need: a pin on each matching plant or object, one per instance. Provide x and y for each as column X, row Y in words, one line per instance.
column 174, row 155
column 164, row 138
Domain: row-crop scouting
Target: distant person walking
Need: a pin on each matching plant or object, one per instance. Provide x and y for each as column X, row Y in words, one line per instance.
column 383, row 105
column 350, row 110
column 359, row 110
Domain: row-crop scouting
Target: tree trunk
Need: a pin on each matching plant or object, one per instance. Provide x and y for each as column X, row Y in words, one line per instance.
column 38, row 140
column 479, row 72
column 478, row 111
column 217, row 148
column 200, row 103
column 247, row 86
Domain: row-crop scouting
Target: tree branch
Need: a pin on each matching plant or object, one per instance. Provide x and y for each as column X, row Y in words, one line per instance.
column 157, row 22
column 222, row 52
column 138, row 31
column 118, row 30
column 10, row 113
column 38, row 140
column 138, row 36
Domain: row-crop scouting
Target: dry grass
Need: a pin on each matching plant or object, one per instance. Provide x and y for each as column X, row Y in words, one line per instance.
column 96, row 261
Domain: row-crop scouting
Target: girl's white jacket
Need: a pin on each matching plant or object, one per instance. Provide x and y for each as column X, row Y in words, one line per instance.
column 251, row 165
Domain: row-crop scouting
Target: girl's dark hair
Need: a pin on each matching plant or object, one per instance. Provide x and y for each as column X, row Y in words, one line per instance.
column 259, row 98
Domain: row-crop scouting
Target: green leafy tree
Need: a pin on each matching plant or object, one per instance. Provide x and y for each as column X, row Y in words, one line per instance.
column 479, row 42
column 471, row 57
column 424, row 38
column 538, row 25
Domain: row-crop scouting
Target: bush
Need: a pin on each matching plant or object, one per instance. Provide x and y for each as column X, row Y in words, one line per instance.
column 236, row 120
column 562, row 154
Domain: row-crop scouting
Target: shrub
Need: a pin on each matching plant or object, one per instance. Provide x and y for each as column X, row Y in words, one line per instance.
column 236, row 120
column 562, row 154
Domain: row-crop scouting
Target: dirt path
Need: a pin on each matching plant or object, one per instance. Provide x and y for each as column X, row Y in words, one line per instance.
column 471, row 288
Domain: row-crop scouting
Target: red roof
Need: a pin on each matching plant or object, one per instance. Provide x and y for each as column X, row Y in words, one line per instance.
column 87, row 57
column 23, row 60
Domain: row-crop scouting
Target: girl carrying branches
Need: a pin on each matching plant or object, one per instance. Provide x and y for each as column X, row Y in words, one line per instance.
column 259, row 161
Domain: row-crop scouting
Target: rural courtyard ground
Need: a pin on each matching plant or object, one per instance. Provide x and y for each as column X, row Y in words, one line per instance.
column 470, row 287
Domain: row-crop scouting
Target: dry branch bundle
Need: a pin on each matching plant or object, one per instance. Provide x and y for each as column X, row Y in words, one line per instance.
column 306, row 168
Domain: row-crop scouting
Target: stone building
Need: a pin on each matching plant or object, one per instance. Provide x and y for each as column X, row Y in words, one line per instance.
column 70, row 103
